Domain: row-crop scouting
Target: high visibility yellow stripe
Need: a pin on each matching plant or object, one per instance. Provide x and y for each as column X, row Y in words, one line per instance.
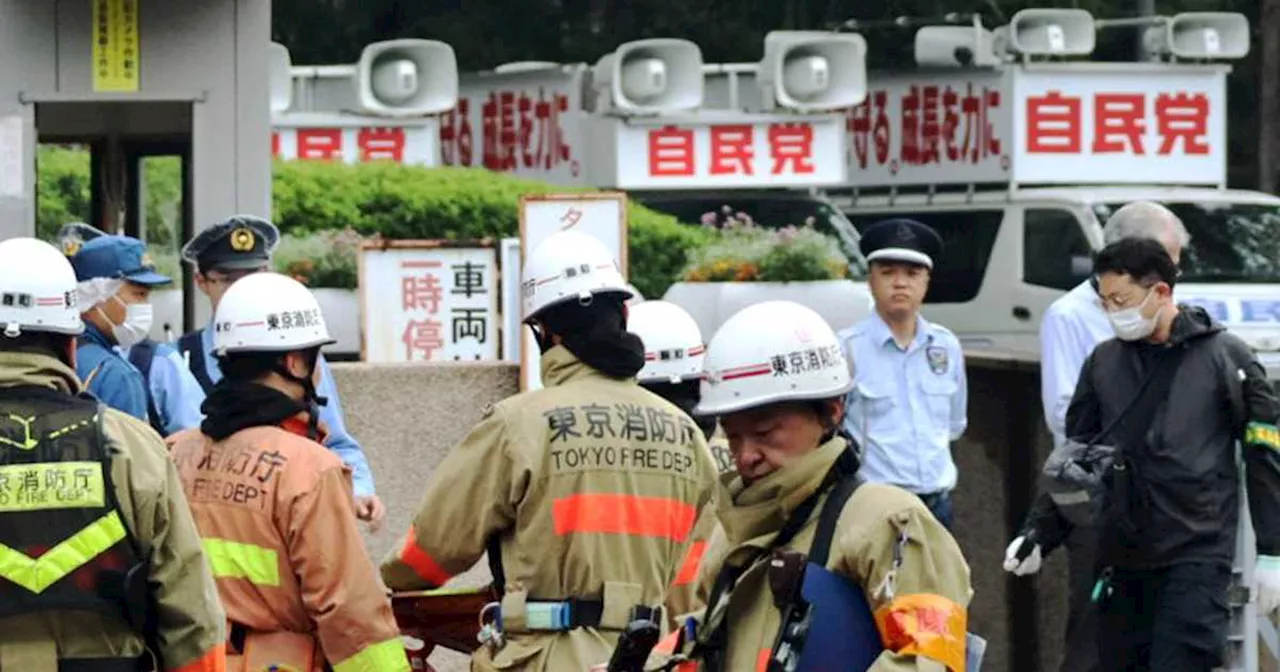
column 1262, row 434
column 385, row 656
column 234, row 560
column 37, row 574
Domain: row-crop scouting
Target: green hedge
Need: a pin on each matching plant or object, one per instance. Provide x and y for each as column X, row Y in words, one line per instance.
column 375, row 198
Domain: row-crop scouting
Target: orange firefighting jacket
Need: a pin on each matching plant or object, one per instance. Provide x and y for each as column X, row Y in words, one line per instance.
column 189, row 619
column 276, row 514
column 593, row 486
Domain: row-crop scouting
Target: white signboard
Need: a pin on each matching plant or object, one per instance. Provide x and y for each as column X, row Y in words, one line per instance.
column 743, row 153
column 512, row 329
column 527, row 124
column 1158, row 125
column 932, row 128
column 422, row 301
column 355, row 140
column 603, row 215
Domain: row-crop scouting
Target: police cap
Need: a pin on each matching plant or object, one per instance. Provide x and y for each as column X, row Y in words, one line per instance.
column 117, row 257
column 904, row 240
column 75, row 234
column 240, row 242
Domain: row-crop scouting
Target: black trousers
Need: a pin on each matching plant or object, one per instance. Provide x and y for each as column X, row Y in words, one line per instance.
column 1080, row 652
column 1172, row 619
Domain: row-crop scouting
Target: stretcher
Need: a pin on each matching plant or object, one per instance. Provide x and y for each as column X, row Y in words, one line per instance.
column 448, row 617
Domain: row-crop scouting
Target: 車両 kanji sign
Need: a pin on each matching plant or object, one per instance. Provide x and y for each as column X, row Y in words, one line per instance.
column 425, row 302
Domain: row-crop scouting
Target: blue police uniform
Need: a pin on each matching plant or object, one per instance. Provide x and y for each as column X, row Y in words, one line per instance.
column 246, row 243
column 907, row 404
column 173, row 395
column 114, row 381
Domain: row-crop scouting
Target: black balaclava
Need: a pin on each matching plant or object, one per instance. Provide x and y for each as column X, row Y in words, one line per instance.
column 596, row 333
column 236, row 402
column 685, row 395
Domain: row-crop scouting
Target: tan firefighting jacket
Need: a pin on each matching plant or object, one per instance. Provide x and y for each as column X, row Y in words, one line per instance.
column 683, row 599
column 276, row 514
column 862, row 549
column 594, row 486
column 189, row 618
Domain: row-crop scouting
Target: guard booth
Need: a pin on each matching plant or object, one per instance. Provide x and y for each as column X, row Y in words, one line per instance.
column 132, row 79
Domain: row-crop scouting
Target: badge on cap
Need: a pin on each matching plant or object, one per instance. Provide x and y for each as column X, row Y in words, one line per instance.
column 937, row 357
column 71, row 245
column 242, row 239
column 146, row 261
column 905, row 234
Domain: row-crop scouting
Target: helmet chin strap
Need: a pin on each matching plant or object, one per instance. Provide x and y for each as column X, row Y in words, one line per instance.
column 310, row 398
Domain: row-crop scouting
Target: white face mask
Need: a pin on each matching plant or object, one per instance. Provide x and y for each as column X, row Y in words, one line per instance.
column 137, row 324
column 1130, row 325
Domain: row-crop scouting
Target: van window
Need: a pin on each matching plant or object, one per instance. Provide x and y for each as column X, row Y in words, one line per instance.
column 1055, row 251
column 968, row 237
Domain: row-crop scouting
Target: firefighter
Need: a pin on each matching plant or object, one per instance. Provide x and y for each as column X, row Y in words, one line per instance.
column 274, row 506
column 870, row 549
column 672, row 368
column 223, row 254
column 586, row 491
column 100, row 562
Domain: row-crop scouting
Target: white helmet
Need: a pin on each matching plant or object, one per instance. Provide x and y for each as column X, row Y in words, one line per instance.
column 673, row 346
column 636, row 296
column 37, row 289
column 268, row 312
column 568, row 265
column 770, row 352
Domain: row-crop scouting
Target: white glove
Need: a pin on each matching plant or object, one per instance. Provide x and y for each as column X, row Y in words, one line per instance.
column 1029, row 564
column 1267, row 574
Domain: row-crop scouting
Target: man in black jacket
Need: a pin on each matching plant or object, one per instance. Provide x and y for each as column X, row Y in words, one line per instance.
column 1174, row 392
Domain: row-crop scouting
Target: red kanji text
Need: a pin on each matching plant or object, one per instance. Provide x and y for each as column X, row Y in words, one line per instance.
column 671, row 152
column 868, row 124
column 1185, row 117
column 732, row 149
column 422, row 337
column 319, row 143
column 1119, row 120
column 455, row 135
column 381, row 144
column 1053, row 123
column 791, row 143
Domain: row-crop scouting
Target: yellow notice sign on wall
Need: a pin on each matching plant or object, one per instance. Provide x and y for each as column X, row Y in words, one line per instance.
column 115, row 45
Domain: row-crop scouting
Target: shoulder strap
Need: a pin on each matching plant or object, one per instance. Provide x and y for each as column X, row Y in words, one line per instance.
column 493, row 548
column 193, row 347
column 831, row 509
column 1154, row 389
column 140, row 356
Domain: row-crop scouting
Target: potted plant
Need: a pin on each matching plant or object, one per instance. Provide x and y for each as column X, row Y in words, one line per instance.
column 747, row 263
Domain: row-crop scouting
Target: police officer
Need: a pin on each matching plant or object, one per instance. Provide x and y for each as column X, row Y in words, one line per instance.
column 173, row 395
column 867, row 548
column 225, row 253
column 116, row 277
column 910, row 396
column 268, row 523
column 93, row 523
column 672, row 370
column 585, row 491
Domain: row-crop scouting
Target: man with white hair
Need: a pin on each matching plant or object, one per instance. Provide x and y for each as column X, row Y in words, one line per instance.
column 1072, row 326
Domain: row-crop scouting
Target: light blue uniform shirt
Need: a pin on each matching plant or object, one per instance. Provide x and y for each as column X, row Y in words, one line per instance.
column 177, row 393
column 906, row 406
column 117, row 383
column 339, row 441
column 1072, row 326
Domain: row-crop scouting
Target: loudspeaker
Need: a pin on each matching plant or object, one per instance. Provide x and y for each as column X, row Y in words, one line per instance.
column 279, row 74
column 647, row 77
column 811, row 71
column 407, row 78
column 1201, row 35
column 1048, row 32
column 954, row 47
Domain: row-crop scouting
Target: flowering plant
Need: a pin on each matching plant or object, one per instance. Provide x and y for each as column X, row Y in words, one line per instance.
column 746, row 252
column 321, row 259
